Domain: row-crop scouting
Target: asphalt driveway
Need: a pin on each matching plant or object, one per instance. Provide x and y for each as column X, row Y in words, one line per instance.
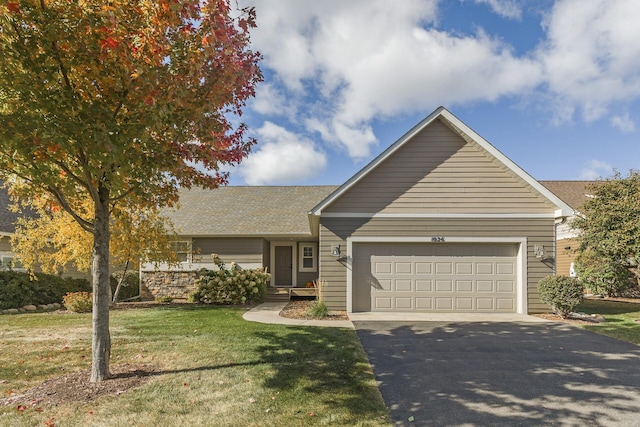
column 512, row 374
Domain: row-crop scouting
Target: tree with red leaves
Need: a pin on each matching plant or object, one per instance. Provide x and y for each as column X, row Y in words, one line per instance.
column 120, row 102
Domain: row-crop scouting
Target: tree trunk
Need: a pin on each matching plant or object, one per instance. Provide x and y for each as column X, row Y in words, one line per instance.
column 101, row 339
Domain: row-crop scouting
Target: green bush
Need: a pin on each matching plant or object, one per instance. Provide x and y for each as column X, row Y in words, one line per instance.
column 78, row 302
column 562, row 292
column 18, row 289
column 163, row 299
column 230, row 286
column 602, row 276
column 318, row 310
column 130, row 285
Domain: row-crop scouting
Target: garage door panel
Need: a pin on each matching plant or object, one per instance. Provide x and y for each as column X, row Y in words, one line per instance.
column 424, row 303
column 484, row 286
column 464, row 285
column 444, row 285
column 403, row 286
column 485, row 304
column 504, row 268
column 464, row 304
column 424, row 285
column 424, row 267
column 464, row 268
column 444, row 268
column 444, row 304
column 403, row 267
column 435, row 277
column 484, row 268
column 508, row 286
column 381, row 267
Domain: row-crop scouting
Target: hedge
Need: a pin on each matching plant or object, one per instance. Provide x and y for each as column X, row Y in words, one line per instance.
column 19, row 289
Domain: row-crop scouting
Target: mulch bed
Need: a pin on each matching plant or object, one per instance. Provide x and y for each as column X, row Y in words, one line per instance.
column 76, row 388
column 299, row 309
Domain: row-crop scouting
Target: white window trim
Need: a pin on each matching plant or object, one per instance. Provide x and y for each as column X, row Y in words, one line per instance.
column 189, row 249
column 314, row 257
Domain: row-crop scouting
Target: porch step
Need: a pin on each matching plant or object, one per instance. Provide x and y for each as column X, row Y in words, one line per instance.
column 277, row 294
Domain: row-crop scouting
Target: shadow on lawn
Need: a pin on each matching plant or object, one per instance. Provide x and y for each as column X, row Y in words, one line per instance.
column 325, row 361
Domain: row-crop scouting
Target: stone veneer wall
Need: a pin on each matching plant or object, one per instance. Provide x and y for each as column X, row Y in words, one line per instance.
column 174, row 284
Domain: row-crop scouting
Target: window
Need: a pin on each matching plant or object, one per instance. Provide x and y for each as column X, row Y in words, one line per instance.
column 308, row 257
column 183, row 249
column 11, row 263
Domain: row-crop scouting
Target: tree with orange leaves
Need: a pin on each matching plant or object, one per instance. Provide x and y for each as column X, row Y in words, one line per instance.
column 120, row 102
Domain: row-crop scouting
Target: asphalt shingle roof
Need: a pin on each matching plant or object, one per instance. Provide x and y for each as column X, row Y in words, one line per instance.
column 247, row 211
column 573, row 193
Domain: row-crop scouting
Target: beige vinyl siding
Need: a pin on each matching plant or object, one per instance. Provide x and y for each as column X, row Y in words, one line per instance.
column 240, row 250
column 439, row 172
column 334, row 231
column 565, row 256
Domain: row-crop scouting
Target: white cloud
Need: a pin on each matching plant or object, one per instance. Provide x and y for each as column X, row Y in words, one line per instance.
column 366, row 59
column 282, row 157
column 506, row 8
column 624, row 122
column 270, row 101
column 595, row 169
column 591, row 56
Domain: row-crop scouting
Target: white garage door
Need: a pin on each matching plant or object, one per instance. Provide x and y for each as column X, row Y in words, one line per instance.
column 440, row 277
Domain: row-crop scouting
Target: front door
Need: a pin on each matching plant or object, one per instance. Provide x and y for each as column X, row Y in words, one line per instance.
column 283, row 272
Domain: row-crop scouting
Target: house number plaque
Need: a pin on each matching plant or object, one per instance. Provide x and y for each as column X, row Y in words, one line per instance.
column 437, row 239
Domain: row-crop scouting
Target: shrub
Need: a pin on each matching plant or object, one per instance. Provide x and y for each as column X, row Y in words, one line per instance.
column 318, row 310
column 230, row 286
column 601, row 276
column 78, row 302
column 18, row 289
column 562, row 292
column 130, row 285
column 164, row 299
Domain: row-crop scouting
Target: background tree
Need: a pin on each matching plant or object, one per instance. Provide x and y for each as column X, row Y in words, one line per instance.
column 51, row 239
column 609, row 239
column 120, row 102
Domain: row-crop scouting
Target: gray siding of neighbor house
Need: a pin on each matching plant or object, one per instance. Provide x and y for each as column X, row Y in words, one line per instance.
column 438, row 171
column 334, row 231
column 5, row 244
column 240, row 250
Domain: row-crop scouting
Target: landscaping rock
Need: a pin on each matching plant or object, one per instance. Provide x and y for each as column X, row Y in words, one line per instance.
column 4, row 312
column 50, row 307
column 42, row 307
column 30, row 307
column 56, row 306
column 13, row 311
column 22, row 310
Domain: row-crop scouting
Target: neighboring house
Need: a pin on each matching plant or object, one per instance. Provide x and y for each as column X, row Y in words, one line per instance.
column 8, row 258
column 7, row 229
column 574, row 193
column 440, row 221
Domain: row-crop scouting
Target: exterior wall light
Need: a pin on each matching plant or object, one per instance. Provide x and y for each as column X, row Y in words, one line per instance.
column 335, row 250
column 539, row 251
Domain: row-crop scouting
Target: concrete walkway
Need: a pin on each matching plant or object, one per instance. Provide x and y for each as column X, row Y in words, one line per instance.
column 269, row 312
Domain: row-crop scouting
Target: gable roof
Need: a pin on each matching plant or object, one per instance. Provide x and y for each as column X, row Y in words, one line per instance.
column 247, row 211
column 574, row 193
column 465, row 132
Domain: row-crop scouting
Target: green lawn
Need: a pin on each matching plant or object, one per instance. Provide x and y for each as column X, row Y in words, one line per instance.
column 620, row 318
column 214, row 369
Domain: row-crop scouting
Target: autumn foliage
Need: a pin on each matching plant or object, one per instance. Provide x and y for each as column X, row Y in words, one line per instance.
column 120, row 103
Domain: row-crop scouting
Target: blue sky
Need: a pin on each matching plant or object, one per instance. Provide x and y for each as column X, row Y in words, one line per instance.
column 554, row 85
